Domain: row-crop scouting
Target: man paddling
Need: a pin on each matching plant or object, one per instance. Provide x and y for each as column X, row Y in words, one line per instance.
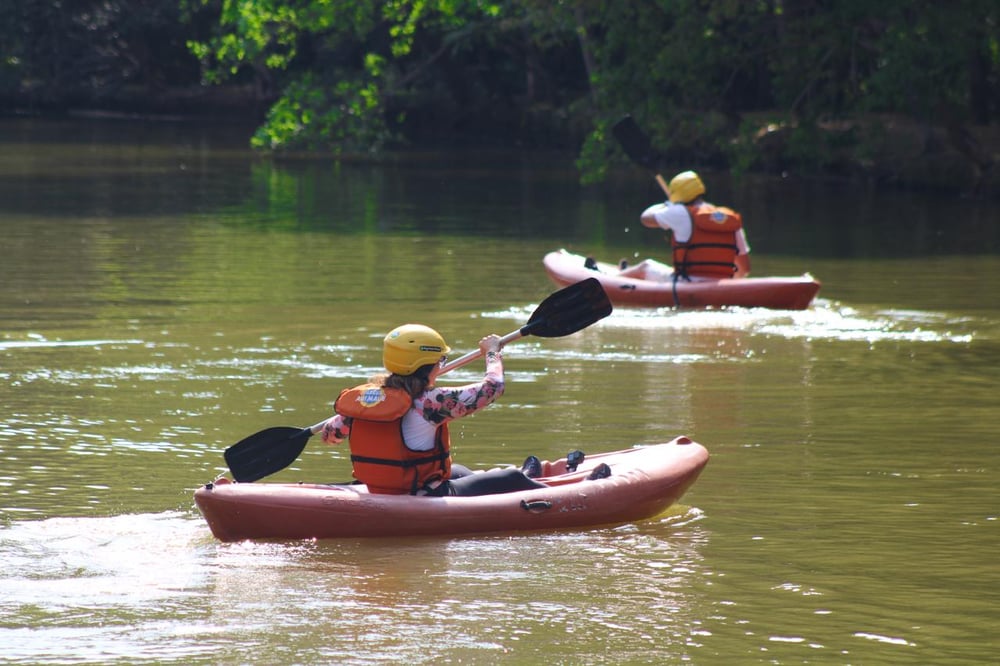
column 707, row 241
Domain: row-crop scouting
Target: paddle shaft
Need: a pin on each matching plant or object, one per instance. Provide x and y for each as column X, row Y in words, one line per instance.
column 473, row 355
column 639, row 148
column 663, row 184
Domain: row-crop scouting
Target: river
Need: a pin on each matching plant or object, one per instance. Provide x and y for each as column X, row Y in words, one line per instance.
column 164, row 293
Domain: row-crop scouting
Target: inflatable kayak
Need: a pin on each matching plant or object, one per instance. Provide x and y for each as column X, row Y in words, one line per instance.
column 644, row 481
column 779, row 293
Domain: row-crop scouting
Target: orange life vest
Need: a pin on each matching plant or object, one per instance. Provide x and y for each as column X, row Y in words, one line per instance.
column 711, row 251
column 380, row 457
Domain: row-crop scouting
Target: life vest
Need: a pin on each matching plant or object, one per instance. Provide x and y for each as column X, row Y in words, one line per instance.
column 711, row 251
column 380, row 457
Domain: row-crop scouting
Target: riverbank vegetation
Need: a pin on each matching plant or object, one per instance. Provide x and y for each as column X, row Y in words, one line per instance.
column 904, row 92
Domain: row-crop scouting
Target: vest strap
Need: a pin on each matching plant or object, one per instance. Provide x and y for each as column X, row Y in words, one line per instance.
column 412, row 462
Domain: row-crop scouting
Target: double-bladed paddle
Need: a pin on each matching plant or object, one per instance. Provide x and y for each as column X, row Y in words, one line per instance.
column 563, row 312
column 639, row 148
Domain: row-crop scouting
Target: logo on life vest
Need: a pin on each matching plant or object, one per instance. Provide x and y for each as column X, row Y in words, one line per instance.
column 371, row 397
column 718, row 217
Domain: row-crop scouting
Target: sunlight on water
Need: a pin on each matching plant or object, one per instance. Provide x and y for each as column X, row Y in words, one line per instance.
column 120, row 586
column 824, row 320
column 47, row 344
column 98, row 586
column 884, row 639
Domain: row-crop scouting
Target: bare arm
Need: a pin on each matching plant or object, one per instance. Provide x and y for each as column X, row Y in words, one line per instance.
column 742, row 262
column 648, row 217
column 743, row 257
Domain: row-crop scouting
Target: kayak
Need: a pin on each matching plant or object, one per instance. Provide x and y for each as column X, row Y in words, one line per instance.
column 779, row 293
column 644, row 482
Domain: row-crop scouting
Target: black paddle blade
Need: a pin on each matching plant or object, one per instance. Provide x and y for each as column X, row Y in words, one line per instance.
column 636, row 144
column 569, row 310
column 266, row 452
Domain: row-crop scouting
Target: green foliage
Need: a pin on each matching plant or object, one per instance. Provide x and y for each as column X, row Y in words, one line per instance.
column 335, row 66
column 701, row 76
column 268, row 34
column 694, row 71
column 344, row 117
column 595, row 155
column 924, row 53
column 90, row 51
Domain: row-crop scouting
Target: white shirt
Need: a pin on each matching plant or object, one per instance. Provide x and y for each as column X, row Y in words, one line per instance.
column 677, row 219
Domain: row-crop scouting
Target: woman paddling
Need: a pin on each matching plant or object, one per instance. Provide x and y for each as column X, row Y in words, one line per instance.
column 397, row 423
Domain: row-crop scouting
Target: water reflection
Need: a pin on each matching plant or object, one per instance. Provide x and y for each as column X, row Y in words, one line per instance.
column 387, row 599
column 124, row 586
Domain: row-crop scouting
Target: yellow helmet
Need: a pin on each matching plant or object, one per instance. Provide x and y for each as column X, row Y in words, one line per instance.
column 686, row 187
column 410, row 346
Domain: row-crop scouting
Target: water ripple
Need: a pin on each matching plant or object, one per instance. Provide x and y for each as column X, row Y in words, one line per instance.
column 824, row 320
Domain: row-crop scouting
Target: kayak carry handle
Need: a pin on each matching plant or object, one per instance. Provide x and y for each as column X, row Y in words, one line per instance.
column 536, row 506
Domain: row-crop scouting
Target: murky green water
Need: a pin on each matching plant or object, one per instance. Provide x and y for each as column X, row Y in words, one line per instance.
column 164, row 294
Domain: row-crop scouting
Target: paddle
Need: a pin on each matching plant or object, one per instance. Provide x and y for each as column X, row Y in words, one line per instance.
column 639, row 149
column 563, row 312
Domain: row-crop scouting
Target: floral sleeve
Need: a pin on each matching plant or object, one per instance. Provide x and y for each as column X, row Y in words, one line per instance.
column 440, row 405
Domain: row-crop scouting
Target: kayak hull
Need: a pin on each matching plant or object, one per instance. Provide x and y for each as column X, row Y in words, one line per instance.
column 644, row 482
column 779, row 293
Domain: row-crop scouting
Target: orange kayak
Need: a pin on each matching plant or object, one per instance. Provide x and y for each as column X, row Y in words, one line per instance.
column 779, row 293
column 644, row 482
